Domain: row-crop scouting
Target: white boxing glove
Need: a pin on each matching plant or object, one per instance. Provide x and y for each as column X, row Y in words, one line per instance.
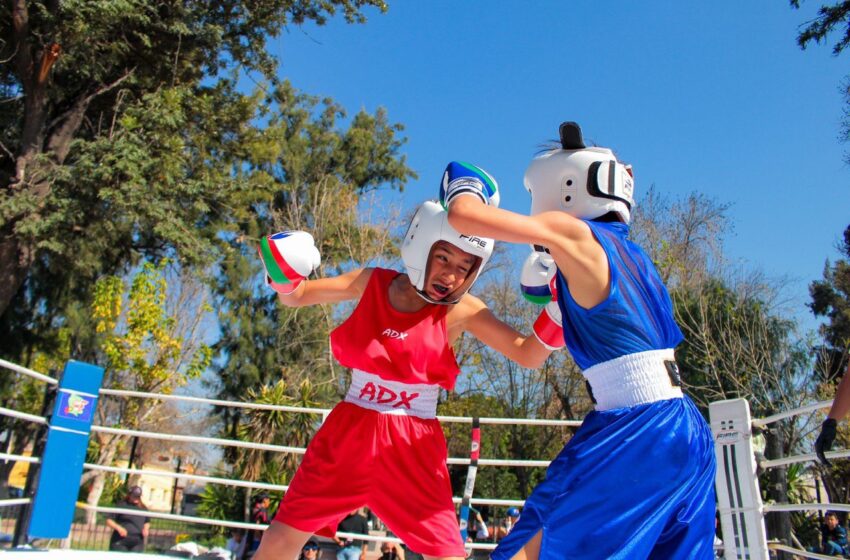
column 537, row 278
column 288, row 257
column 548, row 327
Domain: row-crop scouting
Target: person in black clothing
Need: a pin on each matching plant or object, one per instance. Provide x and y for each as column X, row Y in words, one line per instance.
column 259, row 515
column 129, row 532
column 352, row 549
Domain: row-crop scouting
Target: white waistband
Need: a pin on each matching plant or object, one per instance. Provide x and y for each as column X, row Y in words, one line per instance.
column 392, row 397
column 632, row 379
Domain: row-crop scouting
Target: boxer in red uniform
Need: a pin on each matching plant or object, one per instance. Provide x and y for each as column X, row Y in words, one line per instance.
column 383, row 446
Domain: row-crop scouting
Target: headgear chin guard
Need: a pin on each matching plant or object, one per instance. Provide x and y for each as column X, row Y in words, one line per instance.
column 583, row 182
column 429, row 225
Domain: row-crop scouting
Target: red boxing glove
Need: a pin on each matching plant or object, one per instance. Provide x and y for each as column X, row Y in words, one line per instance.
column 548, row 328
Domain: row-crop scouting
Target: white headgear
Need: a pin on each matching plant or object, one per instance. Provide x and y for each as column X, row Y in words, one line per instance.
column 583, row 182
column 429, row 225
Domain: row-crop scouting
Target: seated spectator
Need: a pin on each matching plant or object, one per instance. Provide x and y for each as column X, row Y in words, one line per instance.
column 391, row 551
column 833, row 536
column 236, row 544
column 505, row 527
column 478, row 528
column 310, row 551
column 260, row 516
column 129, row 532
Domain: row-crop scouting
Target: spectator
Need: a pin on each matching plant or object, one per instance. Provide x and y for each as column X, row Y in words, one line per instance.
column 260, row 516
column 236, row 544
column 391, row 551
column 480, row 531
column 129, row 531
column 510, row 520
column 310, row 550
column 833, row 536
column 350, row 549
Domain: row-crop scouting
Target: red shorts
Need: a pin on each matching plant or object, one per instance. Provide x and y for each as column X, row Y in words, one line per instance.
column 395, row 465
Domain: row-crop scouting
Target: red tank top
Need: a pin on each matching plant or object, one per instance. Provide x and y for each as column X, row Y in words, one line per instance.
column 406, row 347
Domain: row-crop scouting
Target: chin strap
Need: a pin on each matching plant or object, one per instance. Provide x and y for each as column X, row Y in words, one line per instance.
column 429, row 299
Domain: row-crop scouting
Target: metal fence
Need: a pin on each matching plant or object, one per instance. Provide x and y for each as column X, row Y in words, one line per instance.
column 163, row 535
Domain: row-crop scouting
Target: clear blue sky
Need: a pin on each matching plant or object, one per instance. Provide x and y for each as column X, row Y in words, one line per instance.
column 714, row 97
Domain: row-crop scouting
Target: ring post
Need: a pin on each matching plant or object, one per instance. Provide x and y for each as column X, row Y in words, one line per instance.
column 65, row 451
column 741, row 515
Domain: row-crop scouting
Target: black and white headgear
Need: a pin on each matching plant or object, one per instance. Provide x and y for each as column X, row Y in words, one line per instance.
column 583, row 182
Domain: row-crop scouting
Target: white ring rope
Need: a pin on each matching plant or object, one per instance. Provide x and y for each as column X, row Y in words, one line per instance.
column 193, row 477
column 782, row 461
column 762, row 422
column 20, row 458
column 29, row 372
column 805, row 507
column 174, row 517
column 199, row 439
column 325, row 411
column 14, row 502
column 798, row 552
column 22, row 415
column 214, row 402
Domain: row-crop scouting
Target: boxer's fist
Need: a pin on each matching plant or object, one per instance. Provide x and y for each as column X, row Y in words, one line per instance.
column 288, row 257
column 461, row 179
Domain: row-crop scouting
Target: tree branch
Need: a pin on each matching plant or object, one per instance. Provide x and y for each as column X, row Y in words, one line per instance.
column 59, row 141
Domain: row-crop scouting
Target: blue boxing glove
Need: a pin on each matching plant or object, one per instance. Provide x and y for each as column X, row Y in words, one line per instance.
column 465, row 179
column 538, row 278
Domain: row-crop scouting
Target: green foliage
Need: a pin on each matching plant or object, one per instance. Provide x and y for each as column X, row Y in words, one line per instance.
column 144, row 345
column 275, row 427
column 829, row 18
column 830, row 298
column 219, row 501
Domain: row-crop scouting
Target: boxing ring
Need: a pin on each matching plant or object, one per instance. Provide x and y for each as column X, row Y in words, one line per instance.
column 739, row 497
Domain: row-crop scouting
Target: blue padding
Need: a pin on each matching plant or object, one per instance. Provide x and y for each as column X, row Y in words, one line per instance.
column 65, row 451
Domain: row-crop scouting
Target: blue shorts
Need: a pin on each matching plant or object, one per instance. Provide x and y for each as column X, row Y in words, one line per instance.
column 632, row 483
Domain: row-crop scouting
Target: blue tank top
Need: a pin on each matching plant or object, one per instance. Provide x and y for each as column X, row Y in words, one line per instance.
column 637, row 315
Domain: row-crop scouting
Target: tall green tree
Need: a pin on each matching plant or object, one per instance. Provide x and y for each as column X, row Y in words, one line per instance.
column 123, row 130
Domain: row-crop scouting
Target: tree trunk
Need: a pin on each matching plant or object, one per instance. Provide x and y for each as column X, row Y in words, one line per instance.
column 96, row 490
column 778, row 523
column 15, row 260
column 99, row 478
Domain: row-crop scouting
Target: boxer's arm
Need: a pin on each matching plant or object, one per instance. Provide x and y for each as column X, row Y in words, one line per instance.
column 473, row 316
column 344, row 287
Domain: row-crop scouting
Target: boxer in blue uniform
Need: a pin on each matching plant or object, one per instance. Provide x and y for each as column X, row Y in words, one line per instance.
column 637, row 479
